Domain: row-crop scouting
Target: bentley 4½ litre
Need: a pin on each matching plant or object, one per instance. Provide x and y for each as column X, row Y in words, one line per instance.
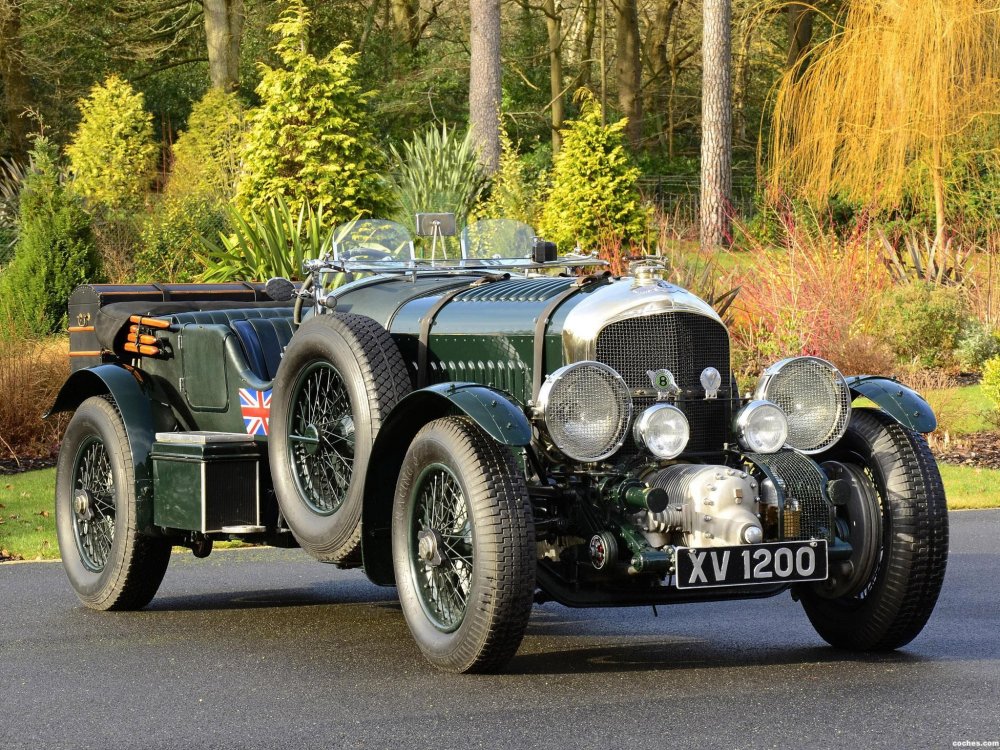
column 483, row 428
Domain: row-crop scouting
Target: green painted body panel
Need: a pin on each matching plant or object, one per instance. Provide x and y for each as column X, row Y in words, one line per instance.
column 133, row 395
column 503, row 420
column 904, row 404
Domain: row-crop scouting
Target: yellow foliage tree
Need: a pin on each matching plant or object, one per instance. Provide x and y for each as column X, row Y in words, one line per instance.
column 901, row 90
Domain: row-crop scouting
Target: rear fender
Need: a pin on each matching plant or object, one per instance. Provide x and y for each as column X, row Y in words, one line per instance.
column 492, row 410
column 903, row 404
column 131, row 392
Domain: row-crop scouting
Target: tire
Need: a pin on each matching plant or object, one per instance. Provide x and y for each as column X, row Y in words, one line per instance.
column 340, row 377
column 484, row 523
column 110, row 563
column 888, row 607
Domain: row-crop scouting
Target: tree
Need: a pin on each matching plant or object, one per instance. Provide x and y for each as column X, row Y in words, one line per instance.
column 893, row 100
column 593, row 185
column 112, row 153
column 13, row 77
column 553, row 26
column 629, row 68
column 223, row 34
column 716, row 125
column 311, row 139
column 55, row 249
column 206, row 156
column 484, row 81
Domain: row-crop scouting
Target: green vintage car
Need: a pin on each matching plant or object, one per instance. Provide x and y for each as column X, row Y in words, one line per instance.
column 483, row 426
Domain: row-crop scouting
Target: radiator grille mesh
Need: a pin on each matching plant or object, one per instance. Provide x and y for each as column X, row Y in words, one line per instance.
column 684, row 343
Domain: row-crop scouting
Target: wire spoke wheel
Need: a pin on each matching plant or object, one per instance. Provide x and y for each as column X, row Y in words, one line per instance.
column 463, row 546
column 112, row 556
column 441, row 547
column 93, row 504
column 340, row 377
column 321, row 437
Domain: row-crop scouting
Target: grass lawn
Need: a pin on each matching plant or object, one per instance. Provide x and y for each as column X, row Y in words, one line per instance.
column 27, row 515
column 961, row 410
column 28, row 529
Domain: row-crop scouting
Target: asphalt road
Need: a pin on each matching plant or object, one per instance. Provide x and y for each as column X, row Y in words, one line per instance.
column 267, row 649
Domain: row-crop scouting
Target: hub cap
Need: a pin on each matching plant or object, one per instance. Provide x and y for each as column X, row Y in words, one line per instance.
column 441, row 547
column 93, row 505
column 321, row 437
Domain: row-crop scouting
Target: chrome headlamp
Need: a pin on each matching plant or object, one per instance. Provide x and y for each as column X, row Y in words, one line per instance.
column 814, row 397
column 587, row 410
column 663, row 430
column 761, row 427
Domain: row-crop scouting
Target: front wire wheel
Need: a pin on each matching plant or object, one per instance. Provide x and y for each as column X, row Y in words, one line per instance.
column 463, row 547
column 441, row 547
column 898, row 521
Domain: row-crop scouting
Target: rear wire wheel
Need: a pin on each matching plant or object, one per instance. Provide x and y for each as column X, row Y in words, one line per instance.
column 339, row 379
column 901, row 573
column 109, row 561
column 463, row 547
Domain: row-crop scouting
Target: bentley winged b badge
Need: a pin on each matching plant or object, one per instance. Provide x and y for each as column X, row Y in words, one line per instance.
column 664, row 383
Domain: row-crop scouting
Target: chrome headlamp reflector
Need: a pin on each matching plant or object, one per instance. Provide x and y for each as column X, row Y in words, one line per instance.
column 663, row 430
column 761, row 427
column 587, row 410
column 815, row 398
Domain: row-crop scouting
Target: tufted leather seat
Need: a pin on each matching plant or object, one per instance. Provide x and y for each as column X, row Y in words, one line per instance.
column 263, row 333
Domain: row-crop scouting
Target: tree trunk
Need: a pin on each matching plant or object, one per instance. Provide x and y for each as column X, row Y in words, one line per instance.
column 629, row 69
column 406, row 20
column 940, row 218
column 484, row 81
column 716, row 125
column 800, row 34
column 223, row 32
column 586, row 76
column 16, row 84
column 553, row 23
column 659, row 57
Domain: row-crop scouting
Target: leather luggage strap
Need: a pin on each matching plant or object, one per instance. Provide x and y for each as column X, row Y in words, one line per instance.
column 538, row 367
column 423, row 344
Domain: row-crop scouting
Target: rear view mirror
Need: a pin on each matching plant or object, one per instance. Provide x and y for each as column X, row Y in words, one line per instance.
column 436, row 225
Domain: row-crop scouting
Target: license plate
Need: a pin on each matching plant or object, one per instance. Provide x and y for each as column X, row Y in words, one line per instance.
column 751, row 564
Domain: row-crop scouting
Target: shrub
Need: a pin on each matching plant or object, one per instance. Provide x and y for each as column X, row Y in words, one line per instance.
column 34, row 369
column 206, row 156
column 811, row 293
column 922, row 323
column 55, row 248
column 171, row 239
column 593, row 185
column 112, row 154
column 513, row 194
column 976, row 344
column 991, row 381
column 269, row 242
column 435, row 172
column 11, row 176
column 310, row 139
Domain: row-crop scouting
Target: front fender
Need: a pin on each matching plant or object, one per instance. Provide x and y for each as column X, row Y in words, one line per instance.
column 131, row 394
column 903, row 404
column 494, row 411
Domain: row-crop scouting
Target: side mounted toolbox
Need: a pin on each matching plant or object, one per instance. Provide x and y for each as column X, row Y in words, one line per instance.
column 207, row 482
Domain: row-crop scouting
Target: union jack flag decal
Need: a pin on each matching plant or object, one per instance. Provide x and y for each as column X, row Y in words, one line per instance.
column 256, row 409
